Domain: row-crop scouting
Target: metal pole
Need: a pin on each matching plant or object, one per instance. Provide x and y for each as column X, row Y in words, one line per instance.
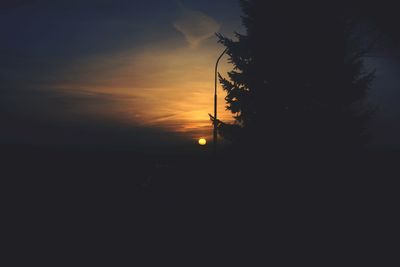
column 215, row 141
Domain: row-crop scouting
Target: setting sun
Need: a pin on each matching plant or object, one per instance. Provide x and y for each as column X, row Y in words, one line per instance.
column 202, row 141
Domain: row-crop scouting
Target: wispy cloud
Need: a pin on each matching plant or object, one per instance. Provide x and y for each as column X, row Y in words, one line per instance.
column 195, row 25
column 155, row 86
column 156, row 82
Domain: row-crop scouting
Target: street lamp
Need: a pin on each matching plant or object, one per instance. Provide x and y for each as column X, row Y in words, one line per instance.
column 215, row 103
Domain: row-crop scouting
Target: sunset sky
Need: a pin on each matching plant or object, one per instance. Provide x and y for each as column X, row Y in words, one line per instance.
column 143, row 66
column 139, row 72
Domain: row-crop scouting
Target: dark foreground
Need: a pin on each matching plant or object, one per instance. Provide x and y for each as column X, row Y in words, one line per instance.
column 81, row 198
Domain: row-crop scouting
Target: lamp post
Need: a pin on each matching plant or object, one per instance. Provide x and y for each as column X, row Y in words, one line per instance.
column 215, row 141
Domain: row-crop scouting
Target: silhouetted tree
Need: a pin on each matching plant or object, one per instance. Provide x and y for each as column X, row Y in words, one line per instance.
column 298, row 80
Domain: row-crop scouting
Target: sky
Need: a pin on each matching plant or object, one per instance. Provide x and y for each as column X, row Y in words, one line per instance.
column 130, row 72
column 384, row 97
column 98, row 71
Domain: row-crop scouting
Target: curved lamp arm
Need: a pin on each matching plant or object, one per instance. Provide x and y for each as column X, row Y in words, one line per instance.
column 215, row 102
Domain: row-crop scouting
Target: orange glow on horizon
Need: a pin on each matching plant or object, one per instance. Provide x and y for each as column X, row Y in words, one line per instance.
column 165, row 86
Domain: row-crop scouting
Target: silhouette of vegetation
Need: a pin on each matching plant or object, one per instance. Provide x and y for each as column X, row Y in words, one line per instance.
column 379, row 22
column 298, row 79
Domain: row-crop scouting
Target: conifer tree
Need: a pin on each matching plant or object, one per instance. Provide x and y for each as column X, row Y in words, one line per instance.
column 298, row 79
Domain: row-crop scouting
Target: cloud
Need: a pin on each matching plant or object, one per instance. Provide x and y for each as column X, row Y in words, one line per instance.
column 195, row 26
column 30, row 116
column 151, row 80
column 164, row 85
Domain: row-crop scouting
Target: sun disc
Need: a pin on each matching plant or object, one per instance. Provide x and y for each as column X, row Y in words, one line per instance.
column 202, row 141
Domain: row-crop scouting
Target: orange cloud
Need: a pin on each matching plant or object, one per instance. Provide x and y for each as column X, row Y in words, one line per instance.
column 168, row 85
